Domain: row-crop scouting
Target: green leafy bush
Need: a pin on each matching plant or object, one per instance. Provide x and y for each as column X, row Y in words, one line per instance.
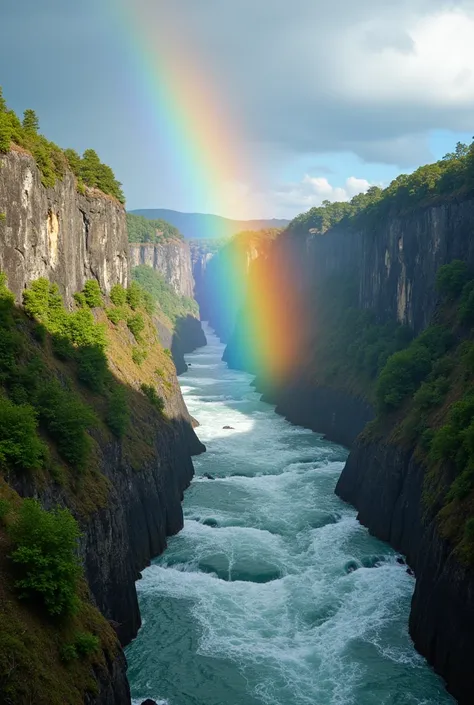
column 134, row 295
column 115, row 315
column 45, row 556
column 139, row 356
column 136, row 325
column 86, row 643
column 68, row 653
column 66, row 419
column 153, row 397
column 451, row 278
column 118, row 295
column 402, row 374
column 118, row 413
column 93, row 368
column 92, row 293
column 20, row 446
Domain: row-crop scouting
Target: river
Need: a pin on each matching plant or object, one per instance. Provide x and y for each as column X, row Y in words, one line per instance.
column 272, row 594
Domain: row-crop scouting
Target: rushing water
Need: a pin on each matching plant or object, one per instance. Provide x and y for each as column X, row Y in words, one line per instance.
column 272, row 593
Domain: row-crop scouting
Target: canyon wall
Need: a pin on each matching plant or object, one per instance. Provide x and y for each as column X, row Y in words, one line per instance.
column 172, row 259
column 68, row 238
column 393, row 264
column 58, row 233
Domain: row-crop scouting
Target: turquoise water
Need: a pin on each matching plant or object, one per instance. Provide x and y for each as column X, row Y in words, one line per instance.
column 272, row 594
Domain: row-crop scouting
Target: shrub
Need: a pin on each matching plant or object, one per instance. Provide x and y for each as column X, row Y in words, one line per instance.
column 92, row 293
column 118, row 295
column 115, row 315
column 431, row 394
column 20, row 445
column 92, row 367
column 150, row 392
column 401, row 376
column 134, row 295
column 118, row 413
column 4, row 508
column 136, row 325
column 139, row 356
column 80, row 299
column 45, row 556
column 168, row 352
column 66, row 419
column 43, row 302
column 451, row 278
column 68, row 653
column 86, row 643
column 466, row 306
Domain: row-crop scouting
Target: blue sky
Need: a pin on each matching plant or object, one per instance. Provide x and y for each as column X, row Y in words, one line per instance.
column 329, row 97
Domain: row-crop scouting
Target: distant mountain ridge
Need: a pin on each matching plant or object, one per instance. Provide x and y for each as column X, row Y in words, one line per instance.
column 202, row 226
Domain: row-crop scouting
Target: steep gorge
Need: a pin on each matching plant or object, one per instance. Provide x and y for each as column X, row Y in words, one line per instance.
column 129, row 499
column 390, row 266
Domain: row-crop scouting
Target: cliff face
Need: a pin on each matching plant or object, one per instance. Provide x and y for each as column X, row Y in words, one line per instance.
column 69, row 238
column 171, row 259
column 58, row 233
column 393, row 265
column 385, row 483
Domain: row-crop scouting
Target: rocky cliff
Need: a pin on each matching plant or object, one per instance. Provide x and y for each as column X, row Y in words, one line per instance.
column 392, row 263
column 129, row 499
column 172, row 259
column 58, row 233
column 385, row 483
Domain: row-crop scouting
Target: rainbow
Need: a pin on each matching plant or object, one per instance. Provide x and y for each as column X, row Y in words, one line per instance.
column 206, row 154
column 193, row 125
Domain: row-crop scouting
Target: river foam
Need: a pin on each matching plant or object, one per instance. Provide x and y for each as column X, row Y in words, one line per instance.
column 273, row 593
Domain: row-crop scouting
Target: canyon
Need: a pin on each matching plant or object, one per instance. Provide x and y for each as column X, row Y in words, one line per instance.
column 393, row 265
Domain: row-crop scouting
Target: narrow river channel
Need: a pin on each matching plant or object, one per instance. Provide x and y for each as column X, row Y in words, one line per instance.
column 273, row 594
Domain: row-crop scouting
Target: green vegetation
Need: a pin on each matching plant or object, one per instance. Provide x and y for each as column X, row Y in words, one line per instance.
column 136, row 325
column 150, row 392
column 51, row 160
column 454, row 174
column 406, row 370
column 139, row 356
column 45, row 557
column 20, row 445
column 160, row 293
column 92, row 293
column 118, row 295
column 140, row 229
column 59, row 406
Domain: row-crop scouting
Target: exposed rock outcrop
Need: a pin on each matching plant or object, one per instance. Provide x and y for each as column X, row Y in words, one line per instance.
column 385, row 483
column 393, row 263
column 172, row 259
column 58, row 233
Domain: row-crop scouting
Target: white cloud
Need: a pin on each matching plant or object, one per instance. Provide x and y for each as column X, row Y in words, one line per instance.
column 290, row 199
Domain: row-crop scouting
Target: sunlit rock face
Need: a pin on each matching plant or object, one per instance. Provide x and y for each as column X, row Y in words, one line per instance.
column 58, row 233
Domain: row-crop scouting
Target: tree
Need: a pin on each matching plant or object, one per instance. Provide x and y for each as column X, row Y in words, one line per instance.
column 46, row 557
column 30, row 121
column 3, row 105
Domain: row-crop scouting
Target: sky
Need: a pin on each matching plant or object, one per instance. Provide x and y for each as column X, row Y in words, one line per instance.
column 245, row 108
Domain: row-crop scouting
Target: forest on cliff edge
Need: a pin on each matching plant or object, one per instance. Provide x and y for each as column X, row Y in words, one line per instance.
column 451, row 175
column 52, row 161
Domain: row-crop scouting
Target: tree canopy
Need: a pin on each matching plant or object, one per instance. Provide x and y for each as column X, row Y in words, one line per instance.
column 51, row 160
column 453, row 174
